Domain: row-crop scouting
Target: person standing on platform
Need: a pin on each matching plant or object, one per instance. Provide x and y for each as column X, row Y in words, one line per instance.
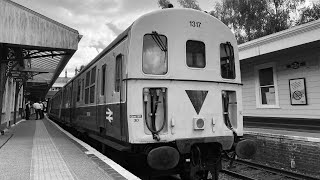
column 28, row 106
column 41, row 110
column 37, row 108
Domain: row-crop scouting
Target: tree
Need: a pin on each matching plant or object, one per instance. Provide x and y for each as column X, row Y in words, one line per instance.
column 309, row 14
column 163, row 3
column 193, row 4
column 253, row 19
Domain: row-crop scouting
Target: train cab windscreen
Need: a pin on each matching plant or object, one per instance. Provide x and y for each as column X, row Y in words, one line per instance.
column 196, row 54
column 154, row 56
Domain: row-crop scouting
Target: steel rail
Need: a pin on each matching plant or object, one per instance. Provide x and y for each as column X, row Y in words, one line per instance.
column 285, row 173
column 236, row 175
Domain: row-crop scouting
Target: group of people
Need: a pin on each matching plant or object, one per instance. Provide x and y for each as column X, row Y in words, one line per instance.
column 39, row 108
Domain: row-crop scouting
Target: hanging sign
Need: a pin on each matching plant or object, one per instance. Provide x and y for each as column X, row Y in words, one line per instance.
column 298, row 94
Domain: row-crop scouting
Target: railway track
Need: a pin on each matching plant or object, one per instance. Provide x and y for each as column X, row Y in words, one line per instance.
column 252, row 171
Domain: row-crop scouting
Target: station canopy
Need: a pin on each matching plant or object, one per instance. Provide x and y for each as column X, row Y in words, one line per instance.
column 34, row 48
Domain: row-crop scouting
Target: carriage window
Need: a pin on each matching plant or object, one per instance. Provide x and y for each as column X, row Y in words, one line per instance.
column 118, row 73
column 87, row 78
column 196, row 54
column 93, row 76
column 155, row 54
column 82, row 90
column 86, row 99
column 92, row 86
column 103, row 79
column 79, row 89
column 227, row 61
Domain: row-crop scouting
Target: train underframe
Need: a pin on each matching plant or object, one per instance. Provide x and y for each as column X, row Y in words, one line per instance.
column 192, row 159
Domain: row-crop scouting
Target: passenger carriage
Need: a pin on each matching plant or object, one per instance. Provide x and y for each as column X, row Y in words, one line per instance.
column 168, row 88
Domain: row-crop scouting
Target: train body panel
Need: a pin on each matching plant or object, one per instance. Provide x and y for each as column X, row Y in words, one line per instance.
column 181, row 111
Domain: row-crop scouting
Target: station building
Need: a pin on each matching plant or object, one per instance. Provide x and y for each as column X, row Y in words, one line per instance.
column 34, row 49
column 281, row 78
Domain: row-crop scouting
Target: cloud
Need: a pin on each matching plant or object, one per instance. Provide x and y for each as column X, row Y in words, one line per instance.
column 114, row 28
column 99, row 21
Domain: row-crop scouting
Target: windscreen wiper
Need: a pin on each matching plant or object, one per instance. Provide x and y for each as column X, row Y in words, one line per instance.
column 156, row 37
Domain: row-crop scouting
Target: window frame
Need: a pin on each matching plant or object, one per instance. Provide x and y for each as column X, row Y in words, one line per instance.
column 205, row 54
column 258, row 87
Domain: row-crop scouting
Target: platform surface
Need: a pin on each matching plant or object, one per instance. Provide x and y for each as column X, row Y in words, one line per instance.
column 39, row 149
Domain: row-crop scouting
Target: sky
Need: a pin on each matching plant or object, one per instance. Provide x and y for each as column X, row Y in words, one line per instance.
column 99, row 21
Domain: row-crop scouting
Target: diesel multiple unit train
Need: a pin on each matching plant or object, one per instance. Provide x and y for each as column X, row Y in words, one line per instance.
column 167, row 89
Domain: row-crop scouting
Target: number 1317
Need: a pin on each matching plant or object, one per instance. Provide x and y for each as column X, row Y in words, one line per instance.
column 195, row 24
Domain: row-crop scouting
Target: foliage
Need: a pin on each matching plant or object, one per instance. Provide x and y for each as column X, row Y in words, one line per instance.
column 163, row 3
column 253, row 19
column 193, row 4
column 310, row 14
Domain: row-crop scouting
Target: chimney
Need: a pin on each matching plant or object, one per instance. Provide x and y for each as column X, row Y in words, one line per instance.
column 76, row 71
column 66, row 74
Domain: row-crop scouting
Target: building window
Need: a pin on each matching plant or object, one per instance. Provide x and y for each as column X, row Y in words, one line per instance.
column 196, row 54
column 155, row 54
column 227, row 64
column 266, row 86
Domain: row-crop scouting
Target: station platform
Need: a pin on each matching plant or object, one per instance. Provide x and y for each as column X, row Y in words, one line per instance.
column 40, row 149
column 290, row 149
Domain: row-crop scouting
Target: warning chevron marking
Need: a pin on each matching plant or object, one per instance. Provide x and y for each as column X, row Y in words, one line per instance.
column 197, row 98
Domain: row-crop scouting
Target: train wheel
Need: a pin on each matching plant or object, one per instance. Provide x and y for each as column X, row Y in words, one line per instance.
column 199, row 173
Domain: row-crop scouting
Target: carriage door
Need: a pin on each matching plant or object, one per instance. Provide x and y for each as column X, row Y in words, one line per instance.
column 114, row 109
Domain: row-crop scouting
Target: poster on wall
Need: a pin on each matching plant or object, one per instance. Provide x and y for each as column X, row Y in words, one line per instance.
column 298, row 94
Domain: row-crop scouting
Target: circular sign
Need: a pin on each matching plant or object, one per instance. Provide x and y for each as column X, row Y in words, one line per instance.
column 295, row 65
column 297, row 95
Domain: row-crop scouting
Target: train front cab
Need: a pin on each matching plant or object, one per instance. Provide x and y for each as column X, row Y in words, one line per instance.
column 184, row 92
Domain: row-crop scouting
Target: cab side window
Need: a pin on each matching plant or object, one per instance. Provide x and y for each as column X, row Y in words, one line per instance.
column 155, row 54
column 227, row 63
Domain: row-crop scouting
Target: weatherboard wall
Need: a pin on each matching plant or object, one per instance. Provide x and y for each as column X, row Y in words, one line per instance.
column 310, row 71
